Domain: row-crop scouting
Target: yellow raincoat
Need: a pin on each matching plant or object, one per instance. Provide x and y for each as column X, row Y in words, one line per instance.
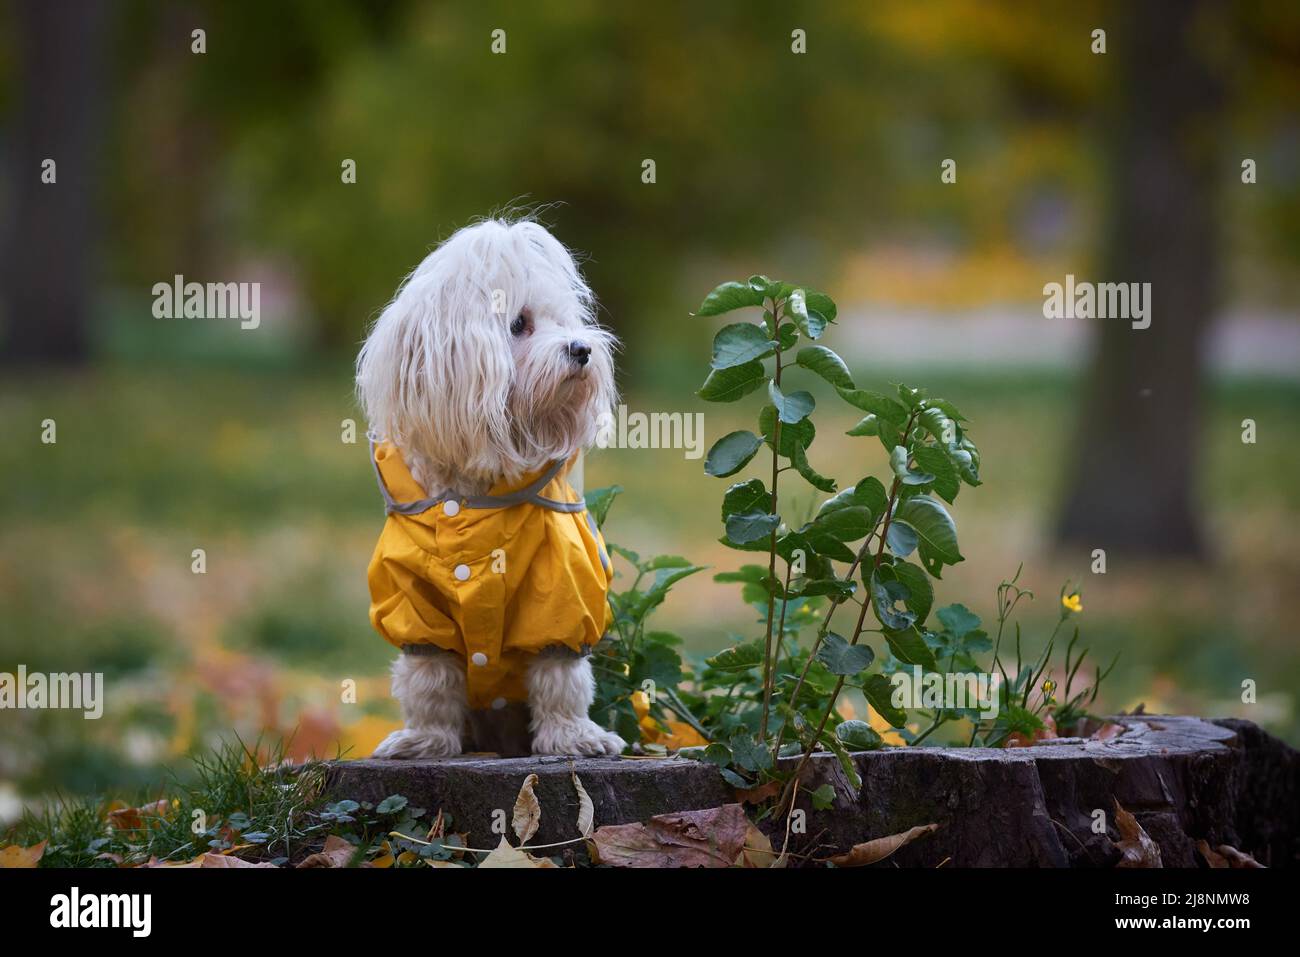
column 494, row 578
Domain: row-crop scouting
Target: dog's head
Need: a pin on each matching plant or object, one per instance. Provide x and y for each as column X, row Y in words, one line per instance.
column 489, row 361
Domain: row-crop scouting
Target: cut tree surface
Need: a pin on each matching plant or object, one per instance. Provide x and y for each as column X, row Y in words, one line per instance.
column 1184, row 780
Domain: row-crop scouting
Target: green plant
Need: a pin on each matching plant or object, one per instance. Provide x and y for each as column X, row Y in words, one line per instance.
column 853, row 549
column 632, row 659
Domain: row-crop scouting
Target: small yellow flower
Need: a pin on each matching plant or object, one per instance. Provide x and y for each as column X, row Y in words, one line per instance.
column 1049, row 686
column 1073, row 602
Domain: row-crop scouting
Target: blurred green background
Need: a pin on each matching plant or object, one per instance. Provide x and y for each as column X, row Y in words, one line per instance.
column 822, row 167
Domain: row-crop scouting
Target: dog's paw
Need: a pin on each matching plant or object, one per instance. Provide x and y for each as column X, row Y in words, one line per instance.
column 575, row 736
column 412, row 743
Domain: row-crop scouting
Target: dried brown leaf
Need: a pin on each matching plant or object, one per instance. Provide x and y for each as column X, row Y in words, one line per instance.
column 1212, row 857
column 336, row 853
column 1134, row 843
column 527, row 817
column 880, row 848
column 1238, row 859
column 586, row 810
column 17, row 856
column 506, row 856
column 713, row 837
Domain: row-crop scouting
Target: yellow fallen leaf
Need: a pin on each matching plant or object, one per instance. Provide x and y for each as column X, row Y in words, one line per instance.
column 17, row 856
column 881, row 847
column 527, row 816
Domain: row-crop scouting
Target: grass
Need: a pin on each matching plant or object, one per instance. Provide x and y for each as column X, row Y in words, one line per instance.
column 233, row 797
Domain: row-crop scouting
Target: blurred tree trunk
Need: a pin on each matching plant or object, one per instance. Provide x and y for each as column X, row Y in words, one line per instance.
column 1136, row 444
column 51, row 235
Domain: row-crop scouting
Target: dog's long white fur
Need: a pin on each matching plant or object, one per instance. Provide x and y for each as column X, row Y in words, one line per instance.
column 467, row 403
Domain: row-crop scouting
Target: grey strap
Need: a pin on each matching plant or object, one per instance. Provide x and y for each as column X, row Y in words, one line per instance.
column 530, row 493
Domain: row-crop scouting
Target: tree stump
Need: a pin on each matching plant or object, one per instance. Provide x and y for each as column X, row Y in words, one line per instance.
column 1048, row 805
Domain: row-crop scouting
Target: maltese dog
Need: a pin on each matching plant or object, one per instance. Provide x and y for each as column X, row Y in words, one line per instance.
column 483, row 381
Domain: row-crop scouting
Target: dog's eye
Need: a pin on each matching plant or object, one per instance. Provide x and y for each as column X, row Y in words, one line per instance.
column 520, row 324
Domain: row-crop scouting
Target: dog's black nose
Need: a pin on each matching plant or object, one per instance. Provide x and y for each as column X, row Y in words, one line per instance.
column 579, row 352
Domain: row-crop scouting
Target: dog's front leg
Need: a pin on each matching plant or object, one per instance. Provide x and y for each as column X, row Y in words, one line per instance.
column 560, row 691
column 431, row 689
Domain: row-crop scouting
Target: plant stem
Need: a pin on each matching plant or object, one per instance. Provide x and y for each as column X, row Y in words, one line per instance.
column 791, row 788
column 768, row 668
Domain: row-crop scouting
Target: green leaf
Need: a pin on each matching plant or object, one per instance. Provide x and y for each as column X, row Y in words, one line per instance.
column 868, row 494
column 745, row 497
column 599, row 500
column 901, row 538
column 935, row 460
column 898, row 462
column 747, row 527
column 846, row 763
column 799, row 459
column 935, row 530
column 728, row 385
column 839, row 587
column 391, row 804
column 731, row 453
column 879, row 692
column 958, row 620
column 740, row 343
column 657, row 663
column 910, row 648
column 823, row 797
column 920, row 590
column 791, row 408
column 717, row 754
column 729, row 296
column 738, row 658
column 746, row 573
column 799, row 435
column 858, row 735
column 664, row 579
column 844, row 524
column 826, row 364
column 867, row 425
column 946, row 407
column 748, row 753
column 883, row 597
column 880, row 405
column 821, row 303
column 667, row 561
column 842, row 658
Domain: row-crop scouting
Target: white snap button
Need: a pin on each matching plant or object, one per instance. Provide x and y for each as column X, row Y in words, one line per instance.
column 498, row 703
column 479, row 658
column 451, row 507
column 461, row 572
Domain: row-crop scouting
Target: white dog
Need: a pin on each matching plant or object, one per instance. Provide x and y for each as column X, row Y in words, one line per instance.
column 483, row 381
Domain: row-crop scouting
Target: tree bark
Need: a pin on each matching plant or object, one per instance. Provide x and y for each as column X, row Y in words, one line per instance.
column 1136, row 446
column 50, row 242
